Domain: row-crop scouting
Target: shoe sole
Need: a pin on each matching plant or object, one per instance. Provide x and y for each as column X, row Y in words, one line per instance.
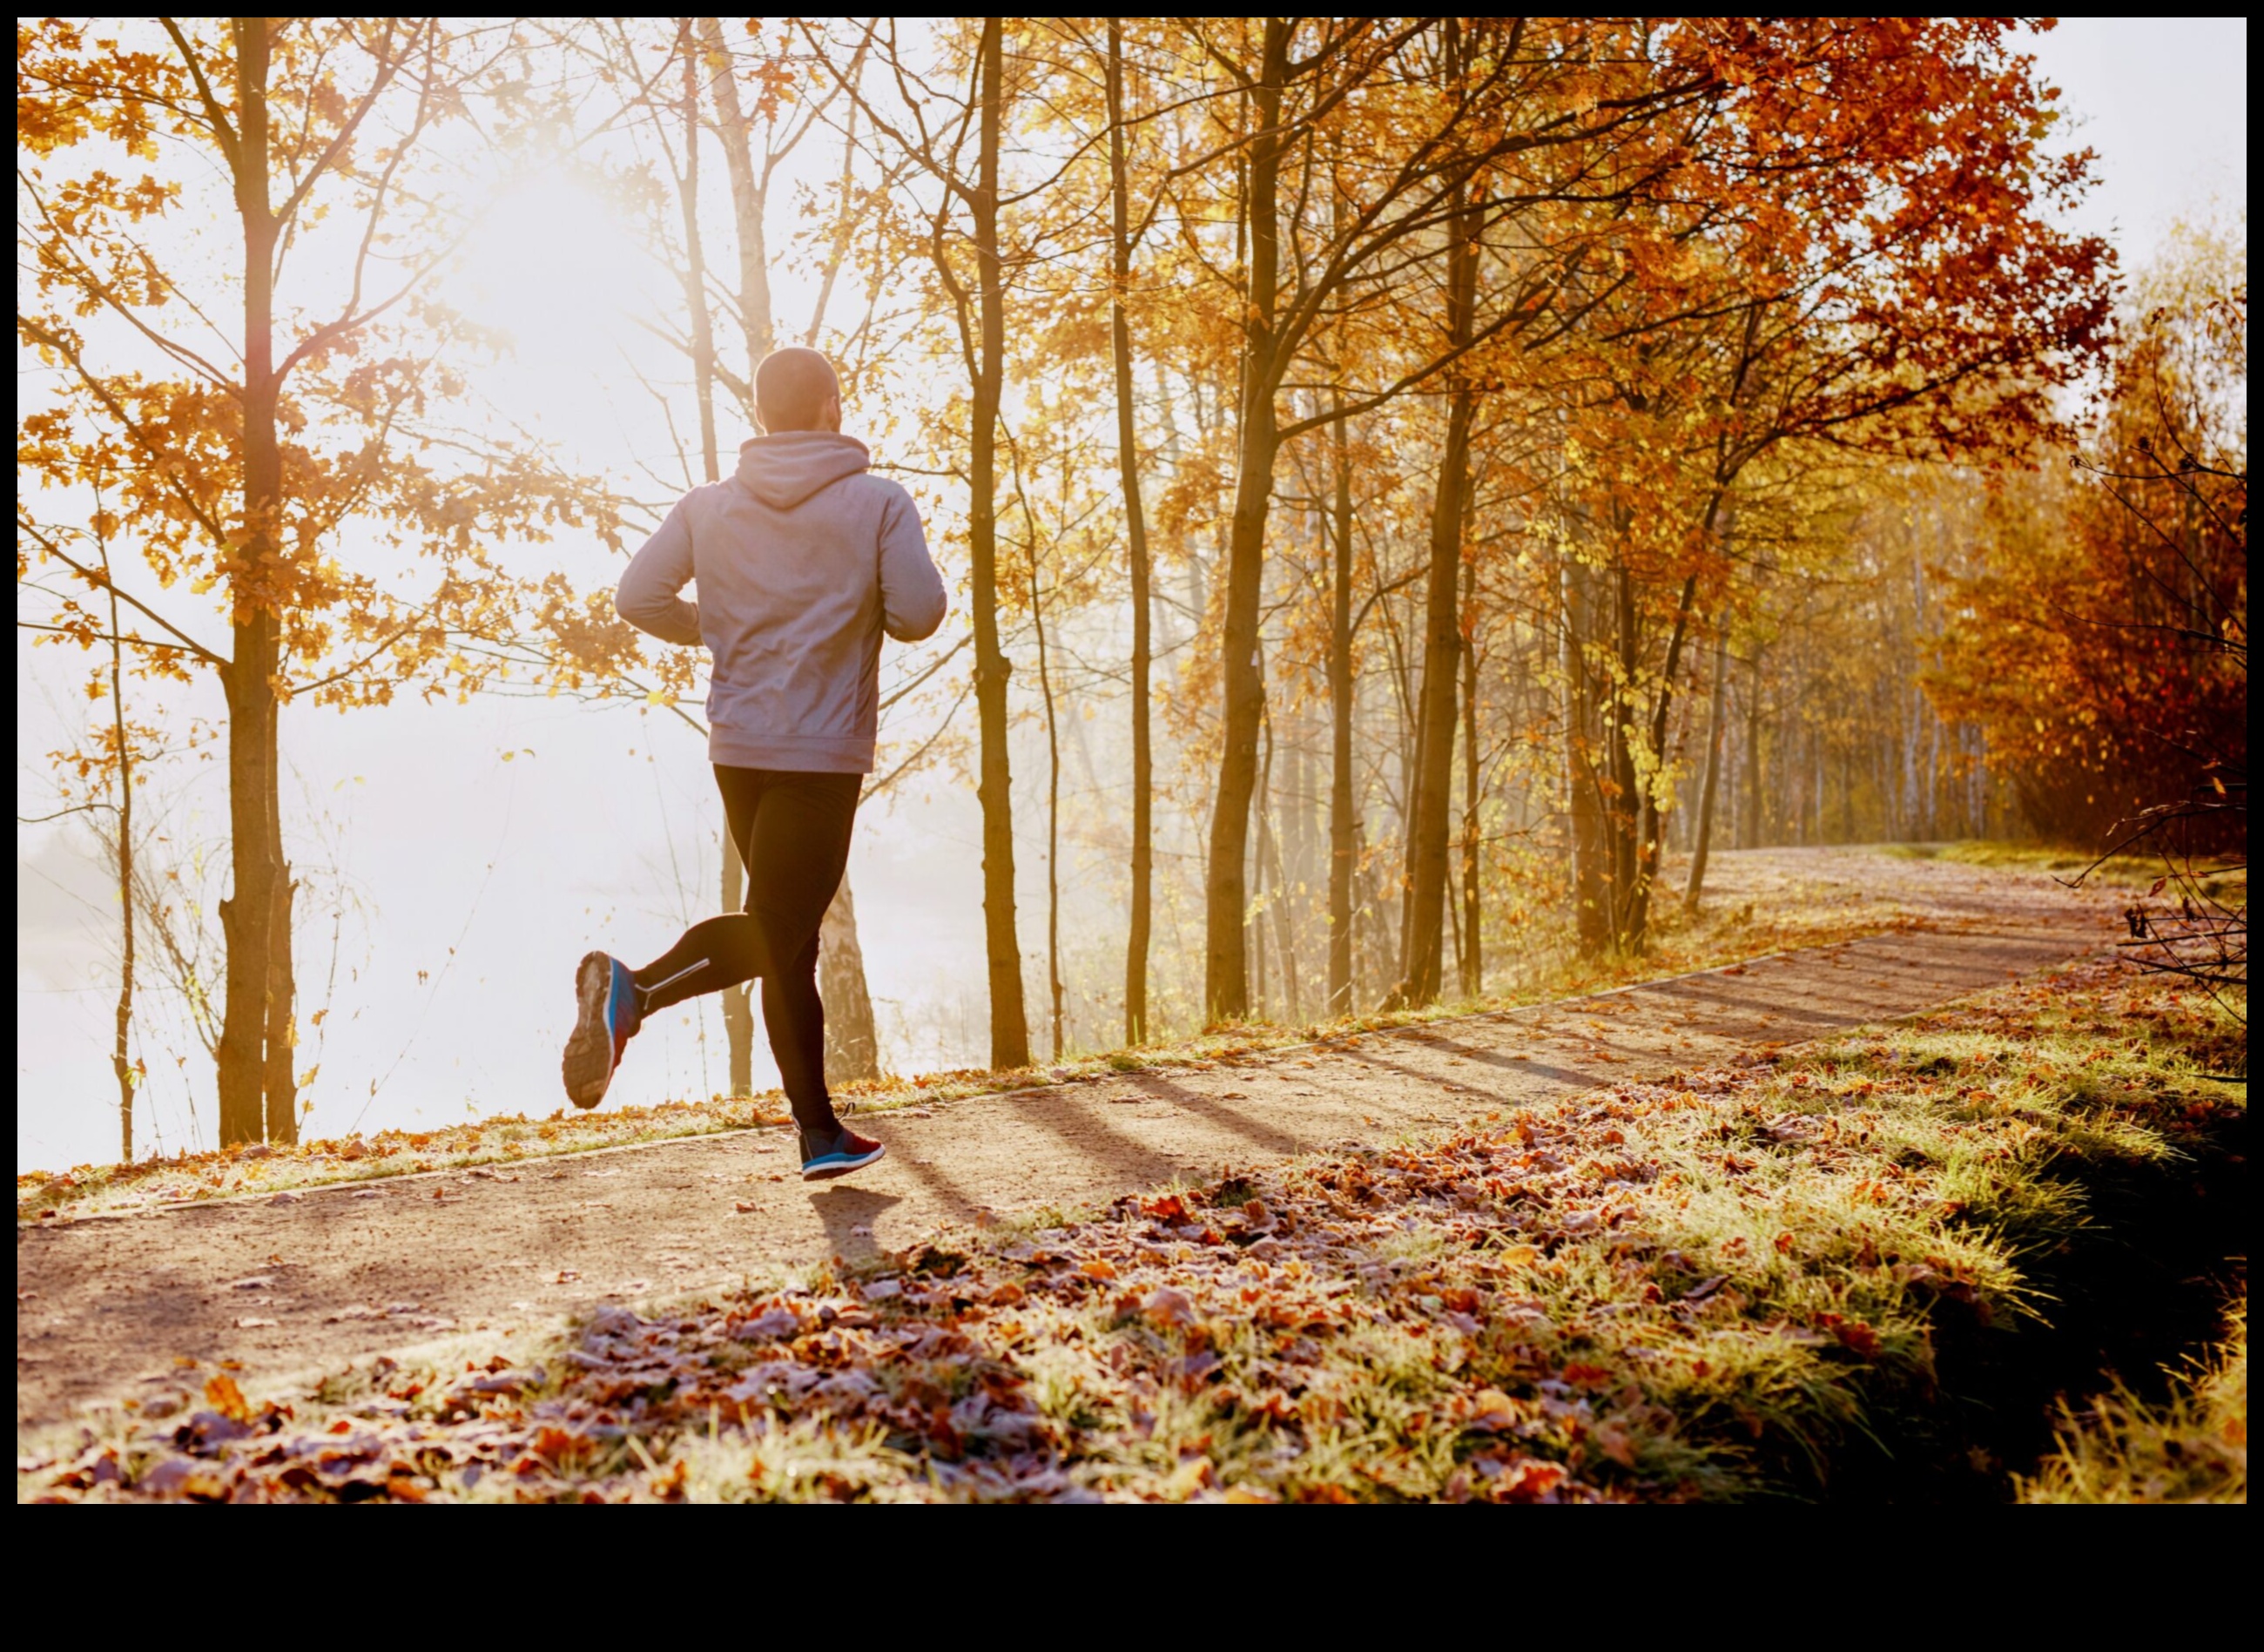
column 826, row 1173
column 587, row 1066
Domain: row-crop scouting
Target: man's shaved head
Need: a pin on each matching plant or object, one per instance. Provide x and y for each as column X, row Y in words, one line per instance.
column 793, row 387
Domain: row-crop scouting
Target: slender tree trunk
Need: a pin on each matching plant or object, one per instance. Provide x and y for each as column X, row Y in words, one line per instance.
column 748, row 197
column 1285, row 935
column 1260, row 897
column 1646, row 816
column 1274, row 895
column 1010, row 1029
column 1717, row 725
column 1343, row 850
column 1429, row 807
column 256, row 872
column 1583, row 797
column 1053, row 804
column 696, row 264
column 1619, row 745
column 121, row 1050
column 1276, row 876
column 1750, row 836
column 852, row 1045
column 280, row 1085
column 1226, row 979
column 1135, row 523
column 1473, row 949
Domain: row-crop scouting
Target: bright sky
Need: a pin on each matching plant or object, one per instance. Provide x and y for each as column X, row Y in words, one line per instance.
column 479, row 880
column 2164, row 103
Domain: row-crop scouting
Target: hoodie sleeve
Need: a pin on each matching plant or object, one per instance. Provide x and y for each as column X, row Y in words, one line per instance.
column 662, row 567
column 912, row 591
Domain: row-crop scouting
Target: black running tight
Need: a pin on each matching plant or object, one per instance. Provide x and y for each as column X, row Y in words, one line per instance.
column 793, row 833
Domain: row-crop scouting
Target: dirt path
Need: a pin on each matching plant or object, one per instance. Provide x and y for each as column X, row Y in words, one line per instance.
column 300, row 1282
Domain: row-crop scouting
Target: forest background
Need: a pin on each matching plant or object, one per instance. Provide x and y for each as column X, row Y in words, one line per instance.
column 461, row 835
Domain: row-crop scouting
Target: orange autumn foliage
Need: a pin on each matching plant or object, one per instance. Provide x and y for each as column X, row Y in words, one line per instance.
column 2103, row 645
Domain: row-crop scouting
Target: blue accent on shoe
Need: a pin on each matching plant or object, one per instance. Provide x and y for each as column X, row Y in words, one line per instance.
column 847, row 1151
column 606, row 1015
column 622, row 1016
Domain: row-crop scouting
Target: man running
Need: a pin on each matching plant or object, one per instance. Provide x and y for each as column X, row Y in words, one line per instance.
column 802, row 559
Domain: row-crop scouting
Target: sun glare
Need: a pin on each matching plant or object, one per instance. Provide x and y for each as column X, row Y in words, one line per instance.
column 551, row 266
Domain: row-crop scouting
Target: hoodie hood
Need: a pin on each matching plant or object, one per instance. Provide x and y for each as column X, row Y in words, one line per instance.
column 783, row 470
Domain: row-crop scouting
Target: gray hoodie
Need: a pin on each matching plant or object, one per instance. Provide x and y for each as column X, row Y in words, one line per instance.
column 803, row 559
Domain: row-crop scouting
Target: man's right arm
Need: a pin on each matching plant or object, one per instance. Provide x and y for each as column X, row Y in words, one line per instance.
column 649, row 596
column 912, row 591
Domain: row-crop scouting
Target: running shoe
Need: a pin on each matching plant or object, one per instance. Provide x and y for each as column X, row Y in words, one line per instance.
column 838, row 1154
column 605, row 1019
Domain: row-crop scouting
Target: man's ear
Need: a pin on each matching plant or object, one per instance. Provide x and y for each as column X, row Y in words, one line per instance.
column 833, row 413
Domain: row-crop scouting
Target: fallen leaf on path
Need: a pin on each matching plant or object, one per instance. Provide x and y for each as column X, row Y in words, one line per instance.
column 1491, row 1409
column 252, row 1323
column 225, row 1397
column 1165, row 1306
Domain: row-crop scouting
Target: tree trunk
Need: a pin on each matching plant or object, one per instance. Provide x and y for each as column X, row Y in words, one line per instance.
column 738, row 1006
column 1010, row 1029
column 1646, row 816
column 280, row 1083
column 1136, row 522
column 1260, row 891
column 1473, row 949
column 852, row 1045
column 1717, row 725
column 749, row 198
column 1276, row 876
column 1583, row 797
column 1226, row 979
column 248, row 681
column 121, row 1049
column 1619, row 748
column 1430, row 808
column 1342, row 848
column 1053, row 801
column 1749, row 835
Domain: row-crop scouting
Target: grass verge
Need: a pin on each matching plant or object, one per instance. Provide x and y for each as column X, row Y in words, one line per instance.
column 2190, row 1446
column 2117, row 871
column 1858, row 1268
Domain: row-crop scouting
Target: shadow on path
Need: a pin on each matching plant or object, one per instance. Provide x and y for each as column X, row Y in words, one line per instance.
column 848, row 1214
